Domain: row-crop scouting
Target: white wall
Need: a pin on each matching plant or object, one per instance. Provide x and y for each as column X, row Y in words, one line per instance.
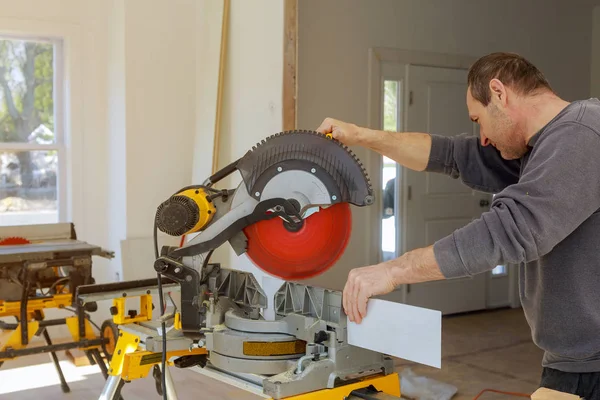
column 160, row 75
column 160, row 72
column 209, row 15
column 133, row 117
column 335, row 36
column 150, row 97
column 252, row 92
column 117, row 139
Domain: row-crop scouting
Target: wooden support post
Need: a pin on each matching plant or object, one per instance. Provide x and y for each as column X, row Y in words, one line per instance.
column 290, row 53
column 222, row 62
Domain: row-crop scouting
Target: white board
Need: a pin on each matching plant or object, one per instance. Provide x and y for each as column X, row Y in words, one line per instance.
column 399, row 330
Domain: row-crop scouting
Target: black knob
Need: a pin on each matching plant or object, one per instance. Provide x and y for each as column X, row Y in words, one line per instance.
column 321, row 336
column 113, row 310
column 91, row 306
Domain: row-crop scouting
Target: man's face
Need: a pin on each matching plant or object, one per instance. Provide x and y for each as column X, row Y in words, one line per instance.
column 496, row 127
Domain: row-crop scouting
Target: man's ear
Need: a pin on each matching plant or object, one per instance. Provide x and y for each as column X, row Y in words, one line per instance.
column 498, row 92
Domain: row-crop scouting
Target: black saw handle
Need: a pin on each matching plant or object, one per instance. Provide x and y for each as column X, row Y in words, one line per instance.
column 222, row 173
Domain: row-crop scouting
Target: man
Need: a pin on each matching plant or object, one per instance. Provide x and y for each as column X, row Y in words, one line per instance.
column 541, row 156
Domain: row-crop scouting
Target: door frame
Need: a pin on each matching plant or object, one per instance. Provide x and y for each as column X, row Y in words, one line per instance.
column 377, row 57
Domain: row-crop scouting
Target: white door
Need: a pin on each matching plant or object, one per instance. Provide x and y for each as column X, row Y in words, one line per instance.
column 434, row 204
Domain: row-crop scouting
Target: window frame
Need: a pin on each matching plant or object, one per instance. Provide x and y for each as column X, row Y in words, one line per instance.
column 59, row 137
column 399, row 119
column 68, row 104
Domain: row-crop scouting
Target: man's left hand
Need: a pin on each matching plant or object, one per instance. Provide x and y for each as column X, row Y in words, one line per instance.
column 416, row 266
column 362, row 284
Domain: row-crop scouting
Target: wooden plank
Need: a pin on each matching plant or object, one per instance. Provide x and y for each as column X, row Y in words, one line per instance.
column 222, row 62
column 549, row 394
column 290, row 59
column 78, row 357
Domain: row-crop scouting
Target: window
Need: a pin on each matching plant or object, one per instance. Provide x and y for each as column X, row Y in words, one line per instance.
column 32, row 184
column 391, row 122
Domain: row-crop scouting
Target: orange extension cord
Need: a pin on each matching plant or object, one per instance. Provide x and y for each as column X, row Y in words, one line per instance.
column 501, row 392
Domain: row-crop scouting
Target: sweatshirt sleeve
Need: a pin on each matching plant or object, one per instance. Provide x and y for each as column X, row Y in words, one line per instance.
column 558, row 191
column 479, row 167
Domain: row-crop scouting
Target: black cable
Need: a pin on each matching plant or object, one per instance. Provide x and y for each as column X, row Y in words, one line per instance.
column 204, row 267
column 205, row 262
column 214, row 196
column 225, row 193
column 87, row 316
column 162, row 325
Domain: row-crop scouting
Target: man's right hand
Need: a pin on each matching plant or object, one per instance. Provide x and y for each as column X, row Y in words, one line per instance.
column 410, row 149
column 347, row 133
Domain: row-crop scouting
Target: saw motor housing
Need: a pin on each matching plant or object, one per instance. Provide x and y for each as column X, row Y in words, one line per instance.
column 286, row 179
column 186, row 212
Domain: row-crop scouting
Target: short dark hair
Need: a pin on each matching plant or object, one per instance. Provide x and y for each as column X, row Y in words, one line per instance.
column 511, row 69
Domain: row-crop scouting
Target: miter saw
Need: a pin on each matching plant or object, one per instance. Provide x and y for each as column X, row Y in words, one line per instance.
column 291, row 216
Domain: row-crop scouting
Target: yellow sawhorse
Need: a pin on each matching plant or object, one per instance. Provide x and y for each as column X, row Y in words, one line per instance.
column 15, row 339
column 131, row 361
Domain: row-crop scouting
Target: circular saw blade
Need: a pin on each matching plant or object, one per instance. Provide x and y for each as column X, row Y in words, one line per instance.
column 13, row 240
column 310, row 251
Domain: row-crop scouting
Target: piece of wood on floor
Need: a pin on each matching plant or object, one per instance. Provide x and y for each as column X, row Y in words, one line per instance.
column 549, row 394
column 78, row 357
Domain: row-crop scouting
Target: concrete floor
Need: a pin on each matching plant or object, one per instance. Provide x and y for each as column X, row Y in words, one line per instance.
column 482, row 350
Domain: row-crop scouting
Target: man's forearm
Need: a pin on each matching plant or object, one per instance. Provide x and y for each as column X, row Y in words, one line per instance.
column 410, row 149
column 363, row 283
column 415, row 266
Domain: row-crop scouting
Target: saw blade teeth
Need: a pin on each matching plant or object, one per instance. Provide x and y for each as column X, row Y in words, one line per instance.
column 315, row 133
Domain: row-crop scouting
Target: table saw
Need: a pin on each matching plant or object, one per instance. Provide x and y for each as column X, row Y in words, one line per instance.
column 41, row 267
column 291, row 216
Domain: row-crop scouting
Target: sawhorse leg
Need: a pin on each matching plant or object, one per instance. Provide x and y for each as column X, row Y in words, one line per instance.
column 112, row 389
column 171, row 393
column 63, row 383
column 95, row 355
column 114, row 384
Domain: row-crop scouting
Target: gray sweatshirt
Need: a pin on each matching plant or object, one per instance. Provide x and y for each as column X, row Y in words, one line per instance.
column 545, row 218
